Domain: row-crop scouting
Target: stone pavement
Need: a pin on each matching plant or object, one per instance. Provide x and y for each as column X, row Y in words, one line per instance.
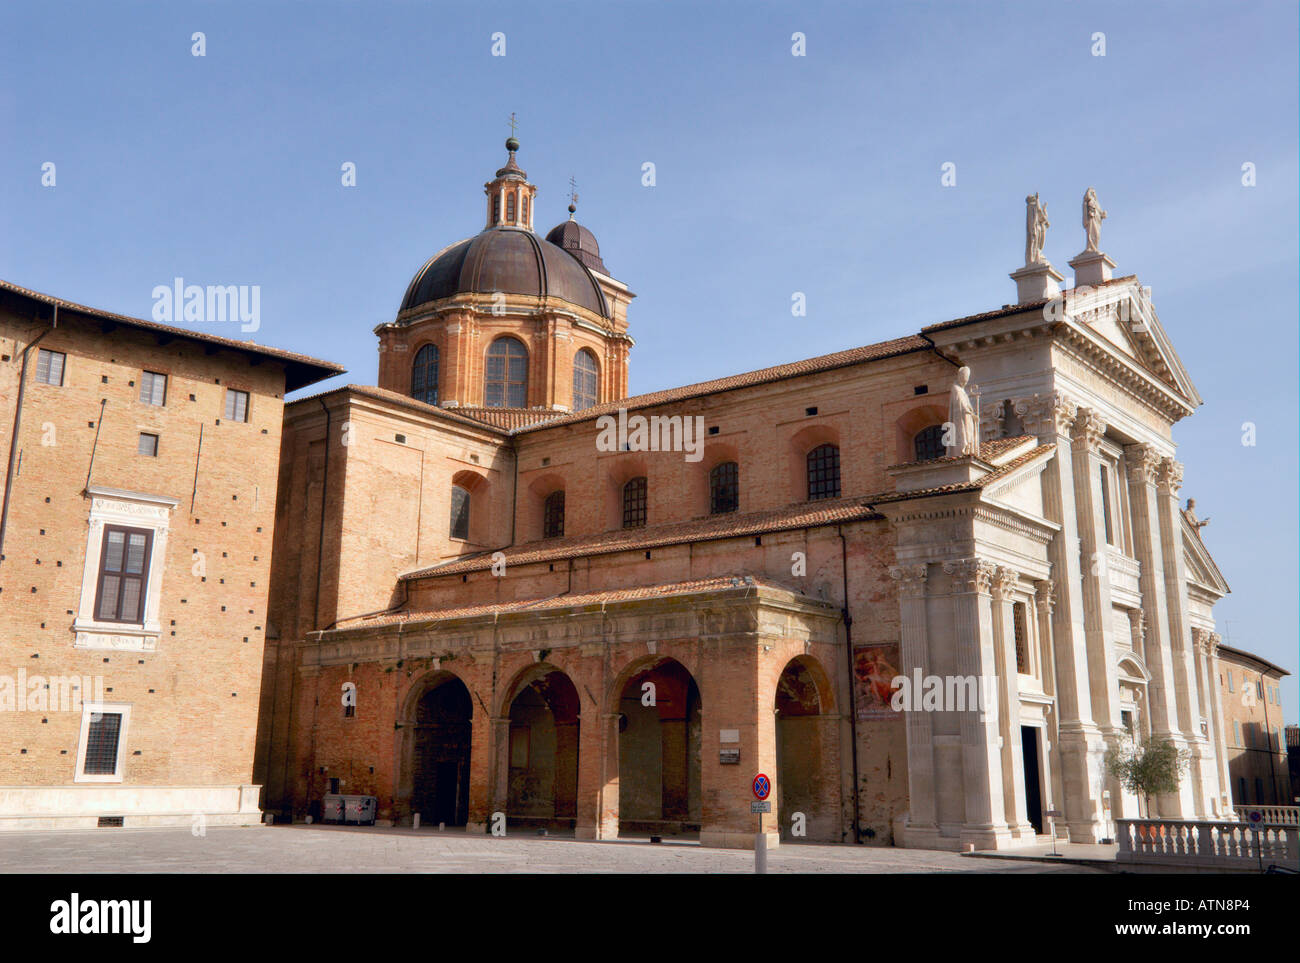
column 316, row 849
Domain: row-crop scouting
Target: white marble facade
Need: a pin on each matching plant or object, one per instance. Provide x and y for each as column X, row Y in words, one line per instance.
column 1065, row 567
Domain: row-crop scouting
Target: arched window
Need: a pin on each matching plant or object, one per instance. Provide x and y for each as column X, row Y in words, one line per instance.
column 929, row 443
column 459, row 513
column 634, row 497
column 524, row 205
column 510, row 208
column 424, row 375
column 496, row 209
column 724, row 488
column 553, row 515
column 506, row 374
column 584, row 380
column 824, row 472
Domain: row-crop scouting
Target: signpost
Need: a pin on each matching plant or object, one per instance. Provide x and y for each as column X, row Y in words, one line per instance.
column 762, row 789
column 1051, row 814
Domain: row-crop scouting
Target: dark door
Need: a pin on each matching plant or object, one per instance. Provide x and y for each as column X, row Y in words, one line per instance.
column 1033, row 792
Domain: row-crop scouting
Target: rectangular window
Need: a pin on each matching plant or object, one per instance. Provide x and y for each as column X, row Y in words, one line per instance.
column 236, row 405
column 1236, row 732
column 103, row 740
column 1022, row 634
column 153, row 388
column 459, row 513
column 1126, row 719
column 148, row 445
column 49, row 366
column 123, row 574
column 1105, row 504
column 1231, row 688
column 1259, row 689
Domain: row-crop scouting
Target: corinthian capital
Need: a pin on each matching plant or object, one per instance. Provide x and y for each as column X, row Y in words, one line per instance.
column 1142, row 462
column 971, row 574
column 1046, row 597
column 910, row 579
column 1088, row 429
column 1051, row 414
column 1004, row 582
column 1169, row 474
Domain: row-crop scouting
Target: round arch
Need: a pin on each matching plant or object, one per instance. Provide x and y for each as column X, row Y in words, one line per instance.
column 436, row 728
column 807, row 781
column 541, row 753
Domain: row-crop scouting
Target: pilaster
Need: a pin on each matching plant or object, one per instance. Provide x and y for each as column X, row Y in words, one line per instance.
column 914, row 656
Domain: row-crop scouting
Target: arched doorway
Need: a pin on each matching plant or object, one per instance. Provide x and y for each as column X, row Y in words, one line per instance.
column 659, row 752
column 542, row 754
column 805, row 784
column 440, row 739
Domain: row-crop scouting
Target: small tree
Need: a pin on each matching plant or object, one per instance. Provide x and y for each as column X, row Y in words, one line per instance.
column 1148, row 769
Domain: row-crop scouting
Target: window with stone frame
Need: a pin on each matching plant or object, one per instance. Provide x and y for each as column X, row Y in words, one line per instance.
column 928, row 443
column 724, row 488
column 506, row 374
column 459, row 513
column 553, row 515
column 634, row 503
column 101, row 745
column 424, row 375
column 123, row 574
column 824, row 472
column 1020, row 626
column 236, row 405
column 584, row 380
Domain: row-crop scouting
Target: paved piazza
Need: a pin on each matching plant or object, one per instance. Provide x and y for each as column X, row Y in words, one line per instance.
column 303, row 849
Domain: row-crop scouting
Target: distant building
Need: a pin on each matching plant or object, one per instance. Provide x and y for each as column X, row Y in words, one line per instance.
column 140, row 465
column 1251, row 693
column 1293, row 760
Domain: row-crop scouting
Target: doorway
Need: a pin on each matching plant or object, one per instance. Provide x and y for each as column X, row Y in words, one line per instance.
column 1033, row 783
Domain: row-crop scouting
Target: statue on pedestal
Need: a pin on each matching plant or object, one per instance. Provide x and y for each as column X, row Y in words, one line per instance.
column 961, row 433
column 1036, row 225
column 1093, row 215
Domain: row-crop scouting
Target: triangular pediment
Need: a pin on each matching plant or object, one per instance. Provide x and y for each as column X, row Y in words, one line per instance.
column 1201, row 569
column 1120, row 317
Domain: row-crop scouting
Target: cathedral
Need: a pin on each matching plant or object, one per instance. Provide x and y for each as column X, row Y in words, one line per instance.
column 482, row 612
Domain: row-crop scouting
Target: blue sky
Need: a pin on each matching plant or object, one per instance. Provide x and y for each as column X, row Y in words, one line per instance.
column 775, row 174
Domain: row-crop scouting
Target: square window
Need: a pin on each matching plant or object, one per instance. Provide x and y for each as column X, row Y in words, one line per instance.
column 148, row 445
column 49, row 366
column 153, row 388
column 236, row 405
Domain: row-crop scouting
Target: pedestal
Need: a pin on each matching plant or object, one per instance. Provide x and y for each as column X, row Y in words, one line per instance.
column 1037, row 281
column 1091, row 268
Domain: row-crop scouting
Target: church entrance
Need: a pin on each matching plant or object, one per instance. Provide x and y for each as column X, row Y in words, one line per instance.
column 659, row 752
column 542, row 789
column 1033, row 782
column 440, row 764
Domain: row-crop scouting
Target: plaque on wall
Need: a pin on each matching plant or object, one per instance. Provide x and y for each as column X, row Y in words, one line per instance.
column 729, row 757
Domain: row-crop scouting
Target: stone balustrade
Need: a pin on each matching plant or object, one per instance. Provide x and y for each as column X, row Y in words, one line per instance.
column 1223, row 845
column 1273, row 815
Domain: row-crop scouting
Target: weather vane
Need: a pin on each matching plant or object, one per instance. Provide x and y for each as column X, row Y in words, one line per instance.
column 573, row 192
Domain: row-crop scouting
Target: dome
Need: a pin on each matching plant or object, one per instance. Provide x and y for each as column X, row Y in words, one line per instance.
column 509, row 260
column 579, row 242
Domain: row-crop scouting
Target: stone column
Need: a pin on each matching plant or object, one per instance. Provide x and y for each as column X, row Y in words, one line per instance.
column 1082, row 748
column 922, row 825
column 1205, row 709
column 1218, row 724
column 1013, row 759
column 1143, row 462
column 1169, row 477
column 985, row 825
column 1044, row 601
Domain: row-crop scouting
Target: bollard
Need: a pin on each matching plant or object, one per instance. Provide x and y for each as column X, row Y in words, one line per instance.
column 415, row 821
column 760, row 854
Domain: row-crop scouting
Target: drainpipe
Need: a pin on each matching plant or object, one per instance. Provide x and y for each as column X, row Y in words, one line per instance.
column 18, row 423
column 848, row 660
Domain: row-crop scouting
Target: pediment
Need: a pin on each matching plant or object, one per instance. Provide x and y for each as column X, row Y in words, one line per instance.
column 1201, row 568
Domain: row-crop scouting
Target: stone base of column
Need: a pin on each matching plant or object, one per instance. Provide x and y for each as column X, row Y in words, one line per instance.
column 986, row 837
column 1025, row 832
column 480, row 828
column 725, row 839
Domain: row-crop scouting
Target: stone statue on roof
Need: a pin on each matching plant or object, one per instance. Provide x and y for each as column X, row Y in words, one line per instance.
column 1036, row 225
column 960, row 433
column 1093, row 215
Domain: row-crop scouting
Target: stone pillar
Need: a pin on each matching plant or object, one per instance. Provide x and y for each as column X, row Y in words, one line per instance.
column 1013, row 759
column 1169, row 477
column 1205, row 710
column 1044, row 601
column 1218, row 726
column 1082, row 749
column 1143, row 462
column 985, row 825
column 598, row 778
column 922, row 826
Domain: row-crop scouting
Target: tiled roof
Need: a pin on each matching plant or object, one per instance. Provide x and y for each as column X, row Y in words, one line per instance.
column 999, row 473
column 990, row 452
column 803, row 515
column 509, row 418
column 740, row 583
column 300, row 369
column 826, row 362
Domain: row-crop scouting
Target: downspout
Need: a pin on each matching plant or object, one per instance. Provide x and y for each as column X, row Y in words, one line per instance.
column 18, row 423
column 848, row 660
